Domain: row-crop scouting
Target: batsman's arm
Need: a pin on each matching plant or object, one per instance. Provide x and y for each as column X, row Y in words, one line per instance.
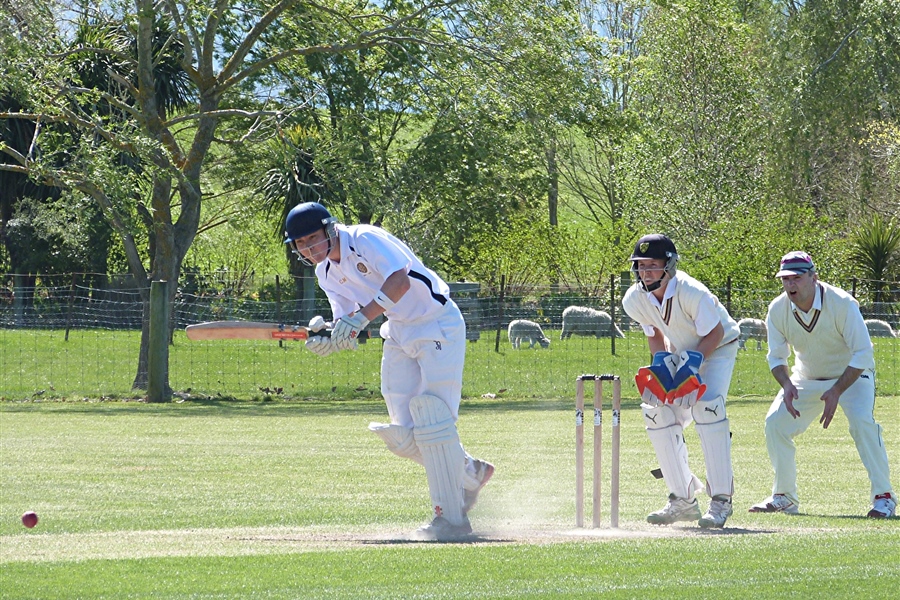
column 394, row 288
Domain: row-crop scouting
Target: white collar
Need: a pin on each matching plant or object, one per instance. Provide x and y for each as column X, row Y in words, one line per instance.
column 817, row 301
column 670, row 292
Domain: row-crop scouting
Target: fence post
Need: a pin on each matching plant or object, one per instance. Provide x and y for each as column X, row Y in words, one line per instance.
column 19, row 294
column 728, row 294
column 278, row 306
column 71, row 302
column 157, row 359
column 612, row 313
column 308, row 305
column 624, row 284
column 500, row 313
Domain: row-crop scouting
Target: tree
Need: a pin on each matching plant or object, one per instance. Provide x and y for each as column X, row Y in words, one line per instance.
column 834, row 70
column 290, row 180
column 592, row 168
column 696, row 157
column 226, row 56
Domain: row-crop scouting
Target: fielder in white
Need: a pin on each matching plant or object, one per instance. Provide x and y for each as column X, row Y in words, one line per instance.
column 834, row 365
column 693, row 342
column 367, row 272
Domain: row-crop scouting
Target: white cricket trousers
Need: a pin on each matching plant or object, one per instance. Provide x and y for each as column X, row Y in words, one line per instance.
column 425, row 357
column 858, row 404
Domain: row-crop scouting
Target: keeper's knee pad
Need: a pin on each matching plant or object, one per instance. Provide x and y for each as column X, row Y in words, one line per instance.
column 658, row 417
column 706, row 412
column 667, row 437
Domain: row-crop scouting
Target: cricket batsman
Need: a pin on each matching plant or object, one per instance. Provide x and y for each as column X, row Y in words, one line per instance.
column 367, row 272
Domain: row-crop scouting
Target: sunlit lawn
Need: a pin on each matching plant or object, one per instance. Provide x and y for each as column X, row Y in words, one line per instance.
column 296, row 499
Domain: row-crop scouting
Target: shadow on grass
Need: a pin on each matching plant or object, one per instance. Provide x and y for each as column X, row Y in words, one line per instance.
column 733, row 531
column 467, row 541
column 853, row 517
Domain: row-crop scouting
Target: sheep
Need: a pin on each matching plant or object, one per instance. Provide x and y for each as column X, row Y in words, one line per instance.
column 522, row 329
column 751, row 329
column 587, row 321
column 879, row 328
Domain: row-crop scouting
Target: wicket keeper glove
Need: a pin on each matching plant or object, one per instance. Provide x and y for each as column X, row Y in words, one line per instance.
column 347, row 329
column 687, row 388
column 321, row 345
column 655, row 380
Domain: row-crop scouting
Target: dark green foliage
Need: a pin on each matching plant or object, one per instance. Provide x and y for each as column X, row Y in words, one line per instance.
column 875, row 252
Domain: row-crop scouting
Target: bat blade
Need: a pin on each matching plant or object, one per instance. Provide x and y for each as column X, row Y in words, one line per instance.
column 247, row 330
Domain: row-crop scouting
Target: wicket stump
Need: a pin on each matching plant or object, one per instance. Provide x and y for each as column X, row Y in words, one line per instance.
column 598, row 448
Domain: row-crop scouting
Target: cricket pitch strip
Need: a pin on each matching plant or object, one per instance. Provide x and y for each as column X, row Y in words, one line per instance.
column 249, row 541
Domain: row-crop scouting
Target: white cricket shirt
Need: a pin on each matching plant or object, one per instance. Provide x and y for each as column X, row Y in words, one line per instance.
column 369, row 255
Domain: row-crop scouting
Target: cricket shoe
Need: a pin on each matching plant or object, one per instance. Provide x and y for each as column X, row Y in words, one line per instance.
column 885, row 506
column 719, row 510
column 776, row 503
column 676, row 509
column 442, row 530
column 483, row 473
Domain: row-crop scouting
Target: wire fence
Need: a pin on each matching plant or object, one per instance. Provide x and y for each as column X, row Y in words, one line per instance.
column 70, row 335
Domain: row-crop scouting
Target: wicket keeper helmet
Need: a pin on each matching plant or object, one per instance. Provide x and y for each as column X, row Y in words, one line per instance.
column 304, row 219
column 654, row 246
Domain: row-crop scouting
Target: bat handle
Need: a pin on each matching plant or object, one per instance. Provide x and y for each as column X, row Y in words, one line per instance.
column 363, row 335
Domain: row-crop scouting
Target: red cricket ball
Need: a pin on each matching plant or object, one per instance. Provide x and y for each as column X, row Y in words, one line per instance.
column 29, row 519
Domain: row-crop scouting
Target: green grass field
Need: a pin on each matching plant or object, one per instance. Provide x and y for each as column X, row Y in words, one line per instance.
column 102, row 363
column 211, row 498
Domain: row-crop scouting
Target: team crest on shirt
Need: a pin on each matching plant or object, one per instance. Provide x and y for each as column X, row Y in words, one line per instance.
column 644, row 247
column 362, row 268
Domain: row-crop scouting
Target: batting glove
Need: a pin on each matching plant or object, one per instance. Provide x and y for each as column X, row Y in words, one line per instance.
column 321, row 345
column 317, row 323
column 687, row 387
column 655, row 380
column 347, row 329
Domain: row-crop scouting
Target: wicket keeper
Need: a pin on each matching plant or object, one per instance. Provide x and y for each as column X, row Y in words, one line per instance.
column 692, row 340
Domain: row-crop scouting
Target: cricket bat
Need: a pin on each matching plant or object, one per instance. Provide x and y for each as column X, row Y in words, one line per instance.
column 249, row 330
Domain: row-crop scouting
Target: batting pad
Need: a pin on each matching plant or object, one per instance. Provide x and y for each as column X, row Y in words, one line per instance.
column 715, row 440
column 444, row 458
column 671, row 452
column 399, row 440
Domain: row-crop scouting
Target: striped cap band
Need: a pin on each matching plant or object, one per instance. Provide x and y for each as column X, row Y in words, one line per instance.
column 795, row 263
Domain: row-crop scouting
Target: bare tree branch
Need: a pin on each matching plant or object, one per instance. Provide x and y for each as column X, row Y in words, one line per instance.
column 837, row 50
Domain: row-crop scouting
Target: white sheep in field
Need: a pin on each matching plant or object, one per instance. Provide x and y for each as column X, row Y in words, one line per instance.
column 587, row 321
column 751, row 329
column 879, row 328
column 523, row 330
